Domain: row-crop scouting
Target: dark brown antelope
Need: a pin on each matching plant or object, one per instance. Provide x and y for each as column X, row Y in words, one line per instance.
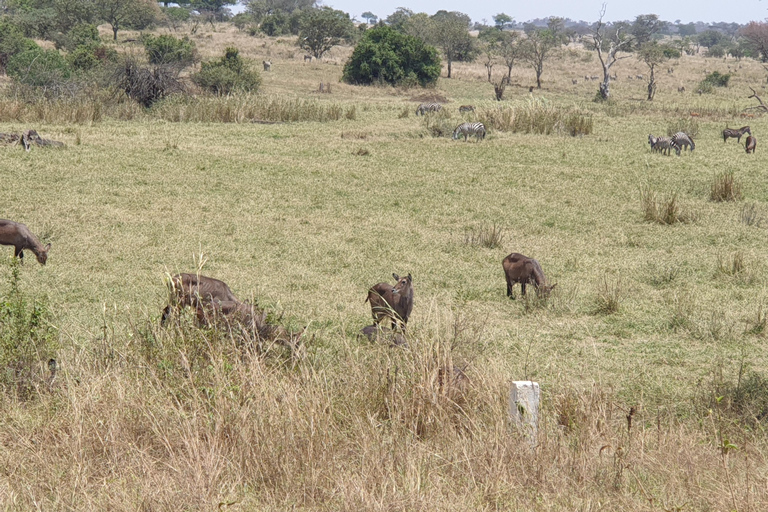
column 393, row 302
column 194, row 290
column 751, row 143
column 20, row 237
column 524, row 270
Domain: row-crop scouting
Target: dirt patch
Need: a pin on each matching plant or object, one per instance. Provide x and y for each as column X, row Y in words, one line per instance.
column 430, row 97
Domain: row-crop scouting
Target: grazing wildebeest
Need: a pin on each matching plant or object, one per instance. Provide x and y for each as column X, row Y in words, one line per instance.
column 307, row 58
column 193, row 290
column 681, row 89
column 267, row 65
column 751, row 143
column 524, row 270
column 393, row 302
column 20, row 237
column 736, row 134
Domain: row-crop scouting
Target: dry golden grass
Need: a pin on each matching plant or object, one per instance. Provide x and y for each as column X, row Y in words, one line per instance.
column 643, row 408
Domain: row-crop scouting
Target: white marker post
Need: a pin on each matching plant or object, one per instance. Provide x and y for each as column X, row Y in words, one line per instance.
column 524, row 407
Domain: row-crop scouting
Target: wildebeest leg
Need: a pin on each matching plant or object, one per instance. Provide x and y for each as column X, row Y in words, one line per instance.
column 19, row 253
column 166, row 314
column 522, row 285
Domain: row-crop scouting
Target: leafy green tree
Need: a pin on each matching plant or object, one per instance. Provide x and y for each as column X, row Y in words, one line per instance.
column 322, row 29
column 710, row 38
column 686, row 30
column 166, row 49
column 370, row 18
column 490, row 48
column 398, row 19
column 38, row 67
column 509, row 50
column 419, row 25
column 536, row 49
column 502, row 20
column 653, row 54
column 556, row 27
column 127, row 13
column 385, row 55
column 755, row 36
column 450, row 33
column 646, row 27
column 261, row 8
column 214, row 9
column 176, row 16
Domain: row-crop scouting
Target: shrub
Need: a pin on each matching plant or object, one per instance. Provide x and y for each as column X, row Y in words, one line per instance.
column 276, row 24
column 12, row 42
column 147, row 85
column 38, row 67
column 229, row 74
column 609, row 296
column 170, row 50
column 664, row 210
column 714, row 79
column 27, row 337
column 725, row 188
column 85, row 34
column 384, row 55
column 489, row 236
column 91, row 56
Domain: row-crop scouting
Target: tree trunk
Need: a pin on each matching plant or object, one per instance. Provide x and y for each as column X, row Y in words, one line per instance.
column 538, row 77
column 605, row 85
column 449, row 68
column 651, row 86
column 509, row 72
column 488, row 68
column 114, row 31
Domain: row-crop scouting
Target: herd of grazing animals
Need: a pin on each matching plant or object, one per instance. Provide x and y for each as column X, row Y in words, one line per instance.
column 682, row 140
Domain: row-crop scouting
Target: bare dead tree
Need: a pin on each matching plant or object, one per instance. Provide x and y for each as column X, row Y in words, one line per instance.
column 761, row 106
column 608, row 45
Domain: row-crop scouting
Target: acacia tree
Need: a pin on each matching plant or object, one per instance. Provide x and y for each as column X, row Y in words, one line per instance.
column 370, row 18
column 653, row 54
column 536, row 49
column 490, row 47
column 450, row 33
column 756, row 36
column 509, row 50
column 127, row 13
column 322, row 29
column 609, row 43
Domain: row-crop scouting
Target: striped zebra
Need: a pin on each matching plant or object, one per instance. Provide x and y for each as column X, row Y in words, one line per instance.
column 466, row 108
column 468, row 129
column 663, row 144
column 733, row 133
column 683, row 140
column 428, row 107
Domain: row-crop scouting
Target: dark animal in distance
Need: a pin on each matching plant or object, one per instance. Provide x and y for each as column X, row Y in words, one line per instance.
column 736, row 134
column 524, row 270
column 751, row 143
column 20, row 237
column 194, row 290
column 393, row 302
column 307, row 58
column 466, row 108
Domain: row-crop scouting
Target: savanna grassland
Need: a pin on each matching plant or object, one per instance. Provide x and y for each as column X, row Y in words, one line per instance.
column 650, row 351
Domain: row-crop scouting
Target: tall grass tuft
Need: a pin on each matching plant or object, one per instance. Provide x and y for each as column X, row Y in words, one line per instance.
column 752, row 215
column 489, row 236
column 27, row 338
column 663, row 210
column 439, row 124
column 538, row 117
column 687, row 125
column 610, row 293
column 725, row 188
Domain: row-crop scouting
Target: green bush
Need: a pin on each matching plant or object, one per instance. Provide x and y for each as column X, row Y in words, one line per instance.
column 38, row 67
column 715, row 79
column 12, row 41
column 91, row 56
column 27, row 337
column 385, row 55
column 230, row 73
column 276, row 24
column 80, row 35
column 169, row 50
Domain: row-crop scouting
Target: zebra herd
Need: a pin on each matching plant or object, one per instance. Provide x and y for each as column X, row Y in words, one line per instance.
column 665, row 145
column 465, row 129
column 682, row 140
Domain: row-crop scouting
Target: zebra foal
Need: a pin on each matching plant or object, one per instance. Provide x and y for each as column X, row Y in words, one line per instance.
column 428, row 107
column 663, row 144
column 468, row 129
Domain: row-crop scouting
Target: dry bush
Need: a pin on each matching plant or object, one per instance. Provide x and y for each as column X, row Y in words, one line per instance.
column 663, row 210
column 439, row 124
column 725, row 188
column 430, row 97
column 731, row 266
column 146, row 84
column 489, row 236
column 539, row 117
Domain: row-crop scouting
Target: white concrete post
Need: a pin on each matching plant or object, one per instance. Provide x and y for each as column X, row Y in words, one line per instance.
column 524, row 407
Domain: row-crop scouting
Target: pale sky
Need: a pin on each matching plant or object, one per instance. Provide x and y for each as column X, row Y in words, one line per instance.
column 708, row 11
